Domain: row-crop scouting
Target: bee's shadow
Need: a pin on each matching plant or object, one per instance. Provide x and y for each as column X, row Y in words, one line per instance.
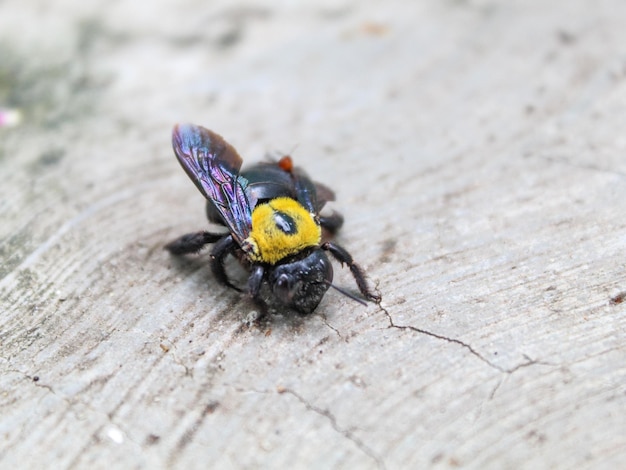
column 188, row 265
column 277, row 316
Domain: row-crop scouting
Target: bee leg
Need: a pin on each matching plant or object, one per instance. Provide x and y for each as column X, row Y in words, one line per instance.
column 341, row 255
column 224, row 246
column 254, row 289
column 332, row 222
column 192, row 242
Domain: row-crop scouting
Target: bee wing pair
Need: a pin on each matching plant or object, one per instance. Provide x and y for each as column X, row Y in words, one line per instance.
column 213, row 165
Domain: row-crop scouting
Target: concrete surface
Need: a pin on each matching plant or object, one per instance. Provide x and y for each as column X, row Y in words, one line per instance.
column 477, row 150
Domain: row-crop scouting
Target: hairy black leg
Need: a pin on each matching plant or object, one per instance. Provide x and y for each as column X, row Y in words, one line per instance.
column 341, row 255
column 332, row 222
column 192, row 242
column 254, row 288
column 225, row 246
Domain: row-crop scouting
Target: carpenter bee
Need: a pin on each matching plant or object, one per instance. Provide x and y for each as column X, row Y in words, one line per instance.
column 272, row 212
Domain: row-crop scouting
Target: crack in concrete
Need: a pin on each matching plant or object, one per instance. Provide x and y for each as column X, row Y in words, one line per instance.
column 171, row 351
column 325, row 322
column 333, row 422
column 463, row 344
column 495, row 389
column 71, row 404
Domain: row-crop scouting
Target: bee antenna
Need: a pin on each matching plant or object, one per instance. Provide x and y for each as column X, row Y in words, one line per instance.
column 293, row 149
column 347, row 294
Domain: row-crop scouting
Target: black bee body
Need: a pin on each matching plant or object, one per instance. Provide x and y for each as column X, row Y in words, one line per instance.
column 272, row 211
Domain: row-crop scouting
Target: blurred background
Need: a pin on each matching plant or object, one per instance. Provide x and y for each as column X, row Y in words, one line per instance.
column 476, row 149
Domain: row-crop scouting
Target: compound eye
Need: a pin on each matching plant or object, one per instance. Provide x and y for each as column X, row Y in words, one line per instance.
column 301, row 284
column 283, row 282
column 285, row 287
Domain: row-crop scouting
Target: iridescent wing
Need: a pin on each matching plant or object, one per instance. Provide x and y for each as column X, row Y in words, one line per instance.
column 213, row 165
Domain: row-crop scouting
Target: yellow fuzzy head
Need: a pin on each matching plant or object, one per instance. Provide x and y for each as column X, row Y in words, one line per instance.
column 280, row 228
